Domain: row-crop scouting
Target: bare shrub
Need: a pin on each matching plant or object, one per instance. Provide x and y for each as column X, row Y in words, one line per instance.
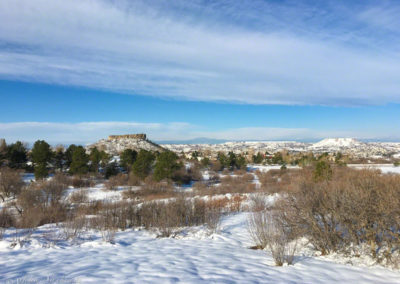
column 73, row 229
column 115, row 181
column 200, row 188
column 354, row 207
column 278, row 181
column 167, row 218
column 258, row 228
column 6, row 219
column 152, row 190
column 63, row 179
column 133, row 180
column 78, row 181
column 213, row 219
column 267, row 231
column 108, row 234
column 79, row 196
column 258, row 202
column 41, row 203
column 236, row 202
column 11, row 183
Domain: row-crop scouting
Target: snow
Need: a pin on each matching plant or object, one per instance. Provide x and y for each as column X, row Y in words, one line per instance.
column 267, row 168
column 194, row 257
column 337, row 142
column 385, row 168
column 28, row 177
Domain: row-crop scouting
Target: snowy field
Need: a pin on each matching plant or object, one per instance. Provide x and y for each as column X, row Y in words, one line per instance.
column 193, row 257
column 385, row 168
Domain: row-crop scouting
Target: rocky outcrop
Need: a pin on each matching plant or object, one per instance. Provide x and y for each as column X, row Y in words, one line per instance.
column 127, row 136
column 116, row 144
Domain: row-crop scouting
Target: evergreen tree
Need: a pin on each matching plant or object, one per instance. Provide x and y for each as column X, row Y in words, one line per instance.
column 231, row 160
column 127, row 158
column 3, row 151
column 322, row 171
column 144, row 161
column 41, row 155
column 59, row 158
column 79, row 163
column 205, row 162
column 17, row 155
column 111, row 169
column 223, row 160
column 166, row 165
column 95, row 159
column 257, row 159
column 104, row 159
column 68, row 154
column 241, row 162
column 277, row 158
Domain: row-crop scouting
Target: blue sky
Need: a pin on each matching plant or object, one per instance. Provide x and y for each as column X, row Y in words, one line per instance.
column 76, row 71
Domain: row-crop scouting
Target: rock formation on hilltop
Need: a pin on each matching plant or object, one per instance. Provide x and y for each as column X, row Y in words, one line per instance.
column 116, row 144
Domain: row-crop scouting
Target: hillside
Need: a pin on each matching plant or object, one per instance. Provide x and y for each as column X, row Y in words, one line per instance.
column 115, row 144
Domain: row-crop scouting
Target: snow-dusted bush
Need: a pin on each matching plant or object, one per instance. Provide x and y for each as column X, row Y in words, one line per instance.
column 72, row 229
column 352, row 208
column 42, row 203
column 267, row 231
column 79, row 196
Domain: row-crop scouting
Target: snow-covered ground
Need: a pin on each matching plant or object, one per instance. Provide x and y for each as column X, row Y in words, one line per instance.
column 193, row 257
column 266, row 168
column 385, row 168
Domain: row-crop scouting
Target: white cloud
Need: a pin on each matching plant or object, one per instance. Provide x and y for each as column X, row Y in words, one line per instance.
column 135, row 48
column 89, row 132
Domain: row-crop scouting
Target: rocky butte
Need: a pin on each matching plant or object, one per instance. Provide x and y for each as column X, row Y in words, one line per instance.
column 116, row 144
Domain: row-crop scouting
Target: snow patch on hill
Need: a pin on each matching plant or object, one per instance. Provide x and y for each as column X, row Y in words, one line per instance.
column 338, row 143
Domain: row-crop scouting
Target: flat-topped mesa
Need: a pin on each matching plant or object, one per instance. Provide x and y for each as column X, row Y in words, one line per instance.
column 128, row 136
column 116, row 144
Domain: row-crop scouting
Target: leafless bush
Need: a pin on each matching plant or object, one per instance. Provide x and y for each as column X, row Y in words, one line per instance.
column 354, row 207
column 81, row 181
column 152, row 190
column 79, row 196
column 61, row 178
column 267, row 231
column 213, row 219
column 277, row 181
column 11, row 183
column 133, row 180
column 165, row 217
column 258, row 202
column 108, row 234
column 231, row 184
column 73, row 229
column 41, row 203
column 118, row 180
column 258, row 228
column 6, row 219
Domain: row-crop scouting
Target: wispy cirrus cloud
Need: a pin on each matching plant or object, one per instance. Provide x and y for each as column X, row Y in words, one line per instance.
column 236, row 51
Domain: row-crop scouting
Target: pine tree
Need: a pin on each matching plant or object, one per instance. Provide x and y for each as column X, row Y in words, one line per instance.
column 79, row 163
column 41, row 155
column 127, row 158
column 143, row 164
column 95, row 158
column 166, row 165
column 17, row 155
